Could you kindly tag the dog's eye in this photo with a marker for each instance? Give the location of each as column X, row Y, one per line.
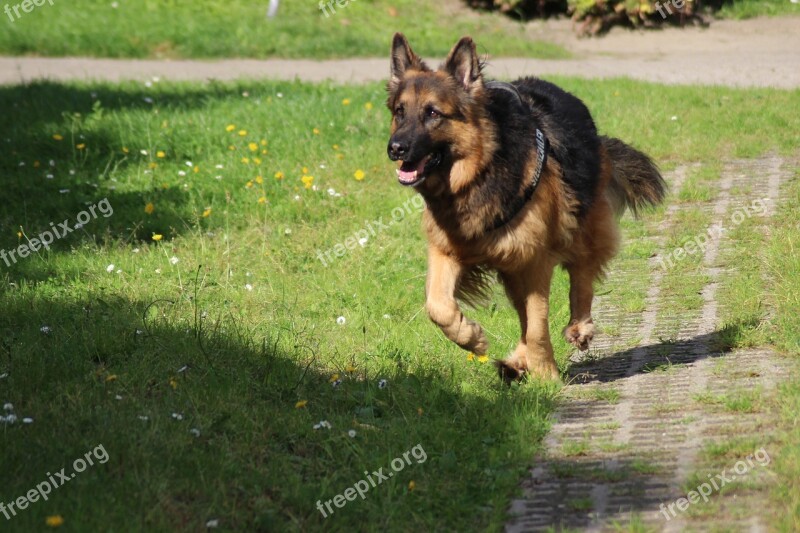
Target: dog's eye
column 432, row 113
column 400, row 111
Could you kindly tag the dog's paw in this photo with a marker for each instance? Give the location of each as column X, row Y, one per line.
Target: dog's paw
column 580, row 334
column 510, row 370
column 477, row 343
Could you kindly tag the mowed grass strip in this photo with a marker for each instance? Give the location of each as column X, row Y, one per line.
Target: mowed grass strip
column 197, row 335
column 239, row 28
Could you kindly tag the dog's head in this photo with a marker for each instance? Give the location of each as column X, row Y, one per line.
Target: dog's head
column 434, row 113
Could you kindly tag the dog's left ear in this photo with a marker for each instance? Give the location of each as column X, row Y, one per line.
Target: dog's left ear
column 462, row 63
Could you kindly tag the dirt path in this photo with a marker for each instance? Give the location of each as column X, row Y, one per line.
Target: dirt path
column 752, row 53
column 629, row 433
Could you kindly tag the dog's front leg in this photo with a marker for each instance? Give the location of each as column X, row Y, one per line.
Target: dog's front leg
column 444, row 272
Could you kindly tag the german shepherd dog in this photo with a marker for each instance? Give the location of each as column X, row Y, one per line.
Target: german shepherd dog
column 516, row 181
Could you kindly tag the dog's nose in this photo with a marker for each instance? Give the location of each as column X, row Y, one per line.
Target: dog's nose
column 397, row 150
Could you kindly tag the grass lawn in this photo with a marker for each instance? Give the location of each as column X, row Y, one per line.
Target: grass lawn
column 745, row 9
column 196, row 335
column 240, row 28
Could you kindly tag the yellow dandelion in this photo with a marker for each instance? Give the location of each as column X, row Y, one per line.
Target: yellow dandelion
column 207, row 212
column 196, row 169
column 173, row 383
column 245, row 160
column 230, row 127
column 335, row 146
column 483, row 358
column 339, row 156
column 411, row 485
column 125, row 150
column 419, row 411
column 257, row 160
column 54, row 521
column 58, row 137
column 368, row 106
column 305, row 170
column 300, row 404
column 253, row 147
column 333, row 378
column 259, row 180
column 242, row 133
column 316, row 131
column 263, row 142
column 307, row 181
column 149, row 208
column 231, row 147
column 161, row 154
column 151, row 165
column 470, row 357
column 350, row 369
column 80, row 146
column 279, row 175
column 359, row 175
column 346, row 101
column 19, row 234
column 111, row 377
column 157, row 236
column 249, row 184
column 264, row 152
column 262, row 200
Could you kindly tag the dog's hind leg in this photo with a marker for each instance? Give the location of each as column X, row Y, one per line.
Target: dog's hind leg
column 580, row 330
column 444, row 273
column 594, row 247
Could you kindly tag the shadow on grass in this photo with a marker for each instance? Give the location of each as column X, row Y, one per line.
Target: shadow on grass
column 657, row 356
column 199, row 417
column 47, row 181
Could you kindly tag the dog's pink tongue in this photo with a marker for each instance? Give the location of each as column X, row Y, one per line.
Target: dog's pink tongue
column 409, row 176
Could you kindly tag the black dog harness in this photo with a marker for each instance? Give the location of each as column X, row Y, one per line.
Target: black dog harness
column 542, row 148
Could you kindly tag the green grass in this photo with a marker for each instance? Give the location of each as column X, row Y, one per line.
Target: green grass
column 252, row 312
column 239, row 28
column 762, row 300
column 745, row 9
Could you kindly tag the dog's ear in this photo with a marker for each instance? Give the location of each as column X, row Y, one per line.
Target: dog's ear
column 462, row 63
column 403, row 58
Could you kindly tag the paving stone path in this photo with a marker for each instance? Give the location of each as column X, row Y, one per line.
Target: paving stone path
column 627, row 434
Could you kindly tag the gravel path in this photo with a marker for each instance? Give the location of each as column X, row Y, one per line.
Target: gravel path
column 628, row 433
column 752, row 53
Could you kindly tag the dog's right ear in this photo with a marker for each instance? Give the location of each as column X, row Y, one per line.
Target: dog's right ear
column 403, row 58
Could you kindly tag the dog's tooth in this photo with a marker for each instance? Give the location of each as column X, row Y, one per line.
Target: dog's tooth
column 397, row 170
column 415, row 174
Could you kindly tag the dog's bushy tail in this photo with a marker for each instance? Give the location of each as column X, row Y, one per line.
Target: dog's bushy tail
column 636, row 181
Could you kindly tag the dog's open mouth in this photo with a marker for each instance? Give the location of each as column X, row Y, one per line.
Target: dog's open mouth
column 413, row 173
